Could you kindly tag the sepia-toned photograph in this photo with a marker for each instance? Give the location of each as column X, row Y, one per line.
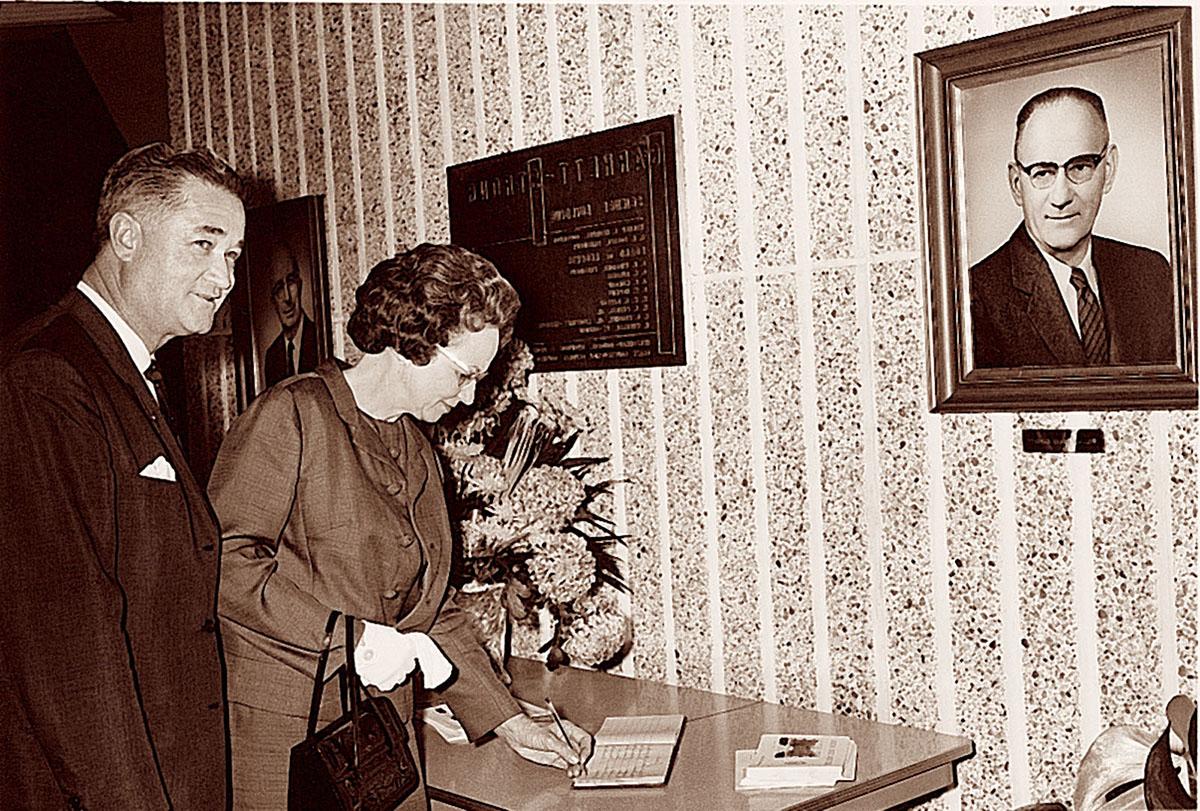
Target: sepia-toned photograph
column 735, row 406
column 281, row 317
column 1057, row 215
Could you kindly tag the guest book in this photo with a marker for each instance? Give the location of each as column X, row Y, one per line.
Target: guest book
column 632, row 750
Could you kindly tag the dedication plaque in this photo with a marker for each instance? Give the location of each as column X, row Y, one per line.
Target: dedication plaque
column 587, row 231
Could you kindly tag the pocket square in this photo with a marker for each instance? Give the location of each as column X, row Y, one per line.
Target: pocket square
column 160, row 468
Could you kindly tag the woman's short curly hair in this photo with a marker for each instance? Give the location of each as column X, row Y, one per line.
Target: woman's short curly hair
column 424, row 297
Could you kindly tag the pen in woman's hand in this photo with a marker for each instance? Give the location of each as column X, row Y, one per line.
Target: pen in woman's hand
column 562, row 729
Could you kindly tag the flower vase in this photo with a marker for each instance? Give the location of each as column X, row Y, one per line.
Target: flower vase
column 485, row 604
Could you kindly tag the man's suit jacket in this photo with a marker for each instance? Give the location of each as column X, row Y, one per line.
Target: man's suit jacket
column 111, row 683
column 276, row 357
column 1018, row 317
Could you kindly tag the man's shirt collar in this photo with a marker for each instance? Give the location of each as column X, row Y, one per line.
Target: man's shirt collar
column 1062, row 278
column 295, row 340
column 137, row 350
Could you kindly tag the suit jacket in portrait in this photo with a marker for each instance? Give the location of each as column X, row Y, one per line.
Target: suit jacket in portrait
column 111, row 684
column 322, row 509
column 1018, row 317
column 275, row 361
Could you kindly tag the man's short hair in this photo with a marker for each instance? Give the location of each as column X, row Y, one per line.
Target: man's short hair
column 1053, row 96
column 152, row 175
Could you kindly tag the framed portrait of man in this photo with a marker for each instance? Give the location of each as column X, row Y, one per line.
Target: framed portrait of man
column 1058, row 204
column 280, row 307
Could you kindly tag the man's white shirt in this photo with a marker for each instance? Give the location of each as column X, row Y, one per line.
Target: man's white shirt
column 1062, row 277
column 137, row 350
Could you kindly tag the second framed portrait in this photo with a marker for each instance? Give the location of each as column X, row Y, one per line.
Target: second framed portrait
column 1059, row 215
column 281, row 300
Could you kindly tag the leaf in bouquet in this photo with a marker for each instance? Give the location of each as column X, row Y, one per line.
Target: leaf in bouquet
column 526, row 437
column 600, row 488
column 495, row 444
column 463, row 506
column 514, row 601
column 605, row 538
column 555, row 452
column 583, row 461
column 616, row 581
column 608, row 565
column 606, row 525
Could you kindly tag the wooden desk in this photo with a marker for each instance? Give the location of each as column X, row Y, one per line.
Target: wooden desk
column 895, row 764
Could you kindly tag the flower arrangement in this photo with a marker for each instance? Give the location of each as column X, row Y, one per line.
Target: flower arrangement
column 526, row 515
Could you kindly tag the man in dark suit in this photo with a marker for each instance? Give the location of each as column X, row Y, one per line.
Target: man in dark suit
column 294, row 350
column 1054, row 294
column 111, row 678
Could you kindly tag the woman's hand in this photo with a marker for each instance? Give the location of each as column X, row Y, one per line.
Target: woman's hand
column 384, row 657
column 544, row 744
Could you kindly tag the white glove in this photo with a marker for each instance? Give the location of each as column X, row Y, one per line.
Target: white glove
column 385, row 657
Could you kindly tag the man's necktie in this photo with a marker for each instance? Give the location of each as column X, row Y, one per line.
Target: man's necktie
column 1091, row 320
column 154, row 375
column 291, row 358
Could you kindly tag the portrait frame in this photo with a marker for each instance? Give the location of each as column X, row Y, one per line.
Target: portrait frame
column 975, row 76
column 293, row 232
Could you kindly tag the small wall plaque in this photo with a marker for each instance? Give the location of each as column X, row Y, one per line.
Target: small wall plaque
column 1062, row 440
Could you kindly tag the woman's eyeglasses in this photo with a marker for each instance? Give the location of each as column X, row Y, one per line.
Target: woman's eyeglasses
column 466, row 375
column 1079, row 169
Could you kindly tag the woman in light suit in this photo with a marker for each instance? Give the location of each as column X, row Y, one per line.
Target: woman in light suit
column 330, row 498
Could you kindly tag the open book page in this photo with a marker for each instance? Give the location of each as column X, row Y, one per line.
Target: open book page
column 639, row 729
column 632, row 751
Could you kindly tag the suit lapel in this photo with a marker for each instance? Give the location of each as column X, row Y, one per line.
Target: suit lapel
column 1111, row 281
column 308, row 347
column 114, row 353
column 429, row 512
column 417, row 479
column 117, row 357
column 1044, row 308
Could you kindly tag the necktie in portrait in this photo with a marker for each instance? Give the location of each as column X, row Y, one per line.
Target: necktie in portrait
column 1092, row 331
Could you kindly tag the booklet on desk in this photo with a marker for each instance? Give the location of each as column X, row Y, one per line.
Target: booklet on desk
column 632, row 750
column 789, row 760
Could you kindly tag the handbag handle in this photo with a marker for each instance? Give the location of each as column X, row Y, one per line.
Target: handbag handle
column 353, row 688
column 314, row 706
column 357, row 691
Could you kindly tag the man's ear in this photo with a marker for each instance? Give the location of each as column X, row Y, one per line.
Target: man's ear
column 124, row 235
column 1110, row 167
column 1014, row 182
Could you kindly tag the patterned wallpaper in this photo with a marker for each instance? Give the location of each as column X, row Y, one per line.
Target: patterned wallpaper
column 804, row 530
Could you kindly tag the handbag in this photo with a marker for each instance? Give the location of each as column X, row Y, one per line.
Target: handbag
column 361, row 761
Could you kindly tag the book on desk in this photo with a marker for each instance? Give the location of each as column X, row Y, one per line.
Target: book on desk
column 632, row 750
column 788, row 760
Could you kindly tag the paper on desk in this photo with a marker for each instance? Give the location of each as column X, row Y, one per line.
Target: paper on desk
column 743, row 757
column 633, row 729
column 442, row 719
column 536, row 712
column 751, row 773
